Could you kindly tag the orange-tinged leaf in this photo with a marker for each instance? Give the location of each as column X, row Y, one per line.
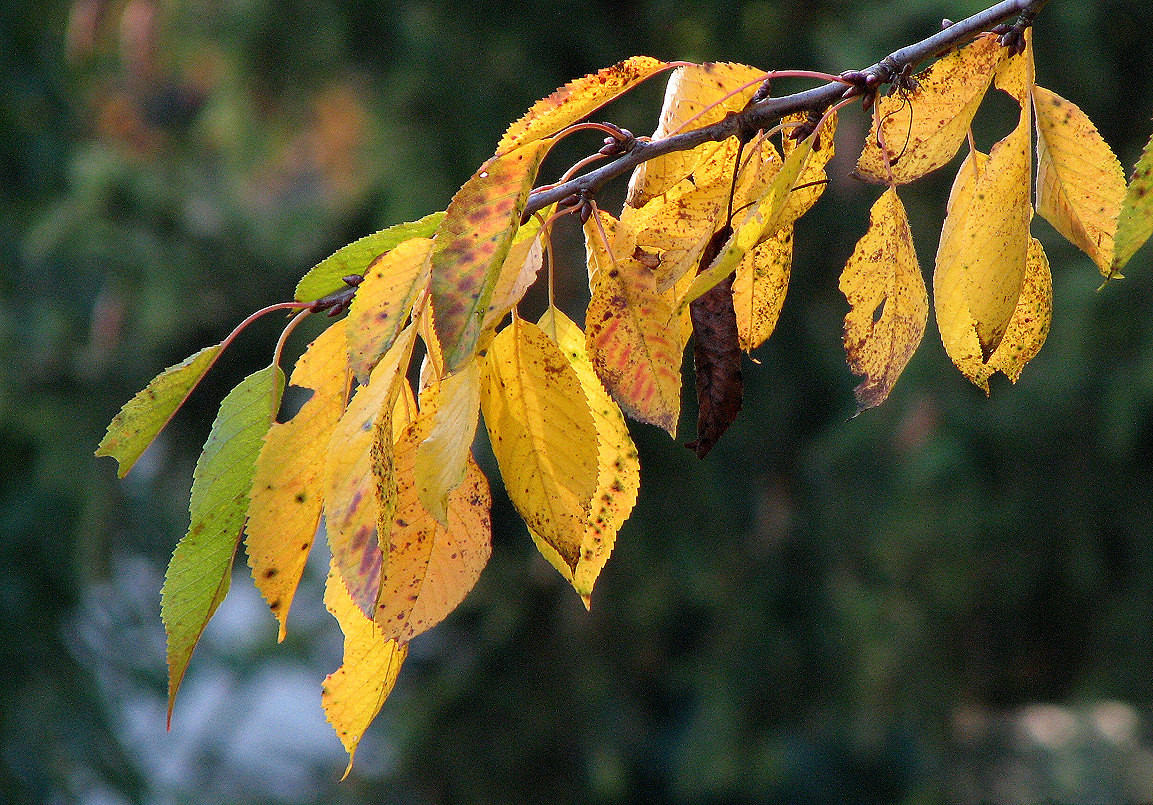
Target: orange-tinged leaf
column 352, row 495
column 146, row 414
column 472, row 243
column 444, row 452
column 431, row 566
column 1080, row 183
column 287, row 495
column 697, row 95
column 618, row 465
column 578, row 99
column 628, row 327
column 383, row 302
column 1030, row 323
column 883, row 272
column 922, row 129
column 354, row 693
column 542, row 434
column 759, row 288
column 201, row 568
column 1135, row 223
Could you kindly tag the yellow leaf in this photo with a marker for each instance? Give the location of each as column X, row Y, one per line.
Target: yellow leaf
column 1080, row 184
column 1030, row 323
column 521, row 266
column 883, row 272
column 697, row 95
column 443, row 454
column 922, row 129
column 1135, row 223
column 542, row 434
column 634, row 351
column 811, row 181
column 618, row 465
column 287, row 497
column 577, row 100
column 354, row 693
column 352, row 495
column 383, row 302
column 759, row 288
column 431, row 566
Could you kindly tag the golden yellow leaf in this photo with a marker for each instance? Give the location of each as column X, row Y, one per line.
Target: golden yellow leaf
column 921, row 130
column 383, row 302
column 883, row 273
column 542, row 434
column 618, row 465
column 1080, row 184
column 577, row 100
column 697, row 95
column 811, row 181
column 353, row 694
column 287, row 498
column 633, row 349
column 1030, row 323
column 352, row 495
column 759, row 287
column 431, row 566
column 521, row 266
column 443, row 454
column 1135, row 223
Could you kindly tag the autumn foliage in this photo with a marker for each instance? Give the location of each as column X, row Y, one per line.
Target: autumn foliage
column 700, row 252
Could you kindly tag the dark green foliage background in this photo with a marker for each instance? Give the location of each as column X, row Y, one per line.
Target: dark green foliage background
column 802, row 617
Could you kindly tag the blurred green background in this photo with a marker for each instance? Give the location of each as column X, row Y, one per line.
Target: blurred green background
column 947, row 599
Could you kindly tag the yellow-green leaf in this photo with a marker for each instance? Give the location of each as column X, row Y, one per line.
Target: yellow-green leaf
column 1080, row 183
column 199, row 573
column 146, row 414
column 1135, row 223
column 542, row 434
column 882, row 272
column 354, row 693
column 287, row 494
column 922, row 129
column 384, row 301
column 578, row 99
column 328, row 275
column 472, row 243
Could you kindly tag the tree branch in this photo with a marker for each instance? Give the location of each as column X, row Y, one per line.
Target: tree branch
column 766, row 112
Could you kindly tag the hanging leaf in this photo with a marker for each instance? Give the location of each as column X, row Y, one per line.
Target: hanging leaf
column 328, row 275
column 1135, row 222
column 1080, row 183
column 519, row 272
column 472, row 243
column 146, row 414
column 383, row 302
column 1029, row 326
column 618, row 465
column 810, row 182
column 883, row 273
column 542, row 434
column 352, row 495
column 199, row 573
column 577, row 100
column 354, row 693
column 922, row 129
column 443, row 454
column 287, row 494
column 759, row 287
column 634, row 352
column 431, row 566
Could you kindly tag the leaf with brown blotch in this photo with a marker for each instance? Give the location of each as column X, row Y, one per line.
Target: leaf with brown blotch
column 1080, row 183
column 922, row 129
column 452, row 406
column 352, row 496
column 577, row 100
column 431, row 566
column 471, row 245
column 759, row 287
column 629, row 337
column 1135, row 223
column 353, row 694
column 697, row 95
column 383, row 301
column 287, row 496
column 542, row 433
column 883, row 273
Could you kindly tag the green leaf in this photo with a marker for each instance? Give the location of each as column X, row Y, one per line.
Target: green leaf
column 328, row 275
column 198, row 575
column 146, row 414
column 1135, row 223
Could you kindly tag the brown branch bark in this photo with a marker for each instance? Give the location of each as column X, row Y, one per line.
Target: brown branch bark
column 765, row 113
